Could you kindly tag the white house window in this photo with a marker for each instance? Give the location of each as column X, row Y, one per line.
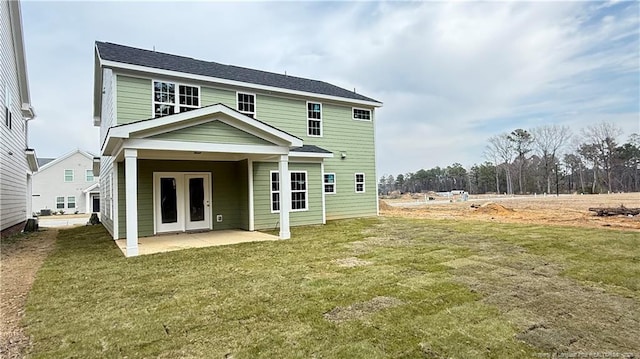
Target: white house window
column 329, row 183
column 71, row 202
column 247, row 104
column 361, row 114
column 7, row 104
column 68, row 175
column 314, row 119
column 164, row 98
column 298, row 191
column 189, row 97
column 60, row 202
column 89, row 176
column 359, row 182
column 275, row 192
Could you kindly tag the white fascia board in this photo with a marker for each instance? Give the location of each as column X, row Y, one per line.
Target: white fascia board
column 114, row 64
column 91, row 188
column 294, row 154
column 97, row 87
column 20, row 57
column 146, row 144
column 65, row 156
column 32, row 160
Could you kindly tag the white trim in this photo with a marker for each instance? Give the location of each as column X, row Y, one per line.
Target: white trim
column 114, row 199
column 314, row 119
column 255, row 104
column 131, row 200
column 251, row 204
column 75, row 207
column 91, row 188
column 285, row 197
column 65, row 156
column 271, row 192
column 355, row 182
column 335, row 182
column 145, row 144
column 182, row 199
column 362, row 109
column 306, row 192
column 114, row 64
column 310, row 154
column 324, row 205
column 93, row 178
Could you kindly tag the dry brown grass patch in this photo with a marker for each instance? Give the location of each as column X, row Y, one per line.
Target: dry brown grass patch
column 362, row 309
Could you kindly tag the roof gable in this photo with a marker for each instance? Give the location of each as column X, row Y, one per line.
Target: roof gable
column 64, row 157
column 158, row 60
column 215, row 131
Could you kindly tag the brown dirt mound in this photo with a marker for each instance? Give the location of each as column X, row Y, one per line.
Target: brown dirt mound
column 383, row 205
column 493, row 208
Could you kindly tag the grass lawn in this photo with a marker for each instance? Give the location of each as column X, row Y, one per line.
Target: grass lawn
column 366, row 288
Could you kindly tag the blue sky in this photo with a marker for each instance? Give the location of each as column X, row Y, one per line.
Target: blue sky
column 450, row 75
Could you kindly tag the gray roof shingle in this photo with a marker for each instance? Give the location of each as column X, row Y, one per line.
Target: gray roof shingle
column 310, row 148
column 44, row 161
column 134, row 56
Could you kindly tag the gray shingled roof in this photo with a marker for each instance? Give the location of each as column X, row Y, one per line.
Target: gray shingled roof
column 44, row 161
column 310, row 148
column 159, row 60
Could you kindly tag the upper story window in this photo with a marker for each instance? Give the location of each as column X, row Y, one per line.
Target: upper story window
column 314, row 119
column 89, row 176
column 361, row 114
column 359, row 182
column 68, row 175
column 164, row 98
column 247, row 103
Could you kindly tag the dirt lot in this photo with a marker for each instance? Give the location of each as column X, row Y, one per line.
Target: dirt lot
column 20, row 258
column 566, row 210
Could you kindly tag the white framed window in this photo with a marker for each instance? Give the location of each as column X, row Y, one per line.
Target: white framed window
column 359, row 179
column 164, row 98
column 330, row 183
column 71, row 202
column 298, row 191
column 246, row 103
column 89, row 176
column 275, row 192
column 68, row 175
column 59, row 202
column 314, row 119
column 361, row 114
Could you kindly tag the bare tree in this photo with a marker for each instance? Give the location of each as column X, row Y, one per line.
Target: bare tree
column 503, row 148
column 602, row 140
column 547, row 141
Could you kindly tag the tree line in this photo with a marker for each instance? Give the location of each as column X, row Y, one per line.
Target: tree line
column 544, row 159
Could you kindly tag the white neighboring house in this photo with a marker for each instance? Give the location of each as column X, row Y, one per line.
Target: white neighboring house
column 67, row 184
column 17, row 160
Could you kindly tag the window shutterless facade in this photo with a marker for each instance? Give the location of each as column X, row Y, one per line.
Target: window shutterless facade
column 71, row 202
column 359, row 179
column 298, row 191
column 246, row 103
column 89, row 176
column 314, row 119
column 68, row 175
column 275, row 192
column 329, row 183
column 165, row 101
column 361, row 114
column 60, row 202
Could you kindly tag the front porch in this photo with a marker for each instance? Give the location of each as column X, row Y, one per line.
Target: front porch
column 175, row 242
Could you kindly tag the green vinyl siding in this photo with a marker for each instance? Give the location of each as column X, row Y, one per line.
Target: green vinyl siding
column 212, row 132
column 229, row 189
column 263, row 217
column 133, row 99
column 212, row 96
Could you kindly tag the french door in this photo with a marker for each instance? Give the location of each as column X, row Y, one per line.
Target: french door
column 182, row 201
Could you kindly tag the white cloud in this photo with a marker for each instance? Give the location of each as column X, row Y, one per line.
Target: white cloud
column 450, row 74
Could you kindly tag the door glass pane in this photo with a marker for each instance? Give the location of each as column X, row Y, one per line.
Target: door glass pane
column 168, row 198
column 196, row 199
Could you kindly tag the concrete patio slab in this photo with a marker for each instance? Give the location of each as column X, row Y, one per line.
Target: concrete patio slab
column 178, row 241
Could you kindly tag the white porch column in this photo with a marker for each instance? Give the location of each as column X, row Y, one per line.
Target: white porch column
column 131, row 200
column 87, row 199
column 250, row 189
column 285, row 196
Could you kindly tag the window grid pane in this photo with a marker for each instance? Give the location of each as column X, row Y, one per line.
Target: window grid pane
column 329, row 183
column 59, row 202
column 359, row 179
column 314, row 128
column 68, row 175
column 71, row 202
column 298, row 191
column 275, row 191
column 164, row 98
column 361, row 114
column 246, row 103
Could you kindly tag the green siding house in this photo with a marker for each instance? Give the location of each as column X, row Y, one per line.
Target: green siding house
column 191, row 145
